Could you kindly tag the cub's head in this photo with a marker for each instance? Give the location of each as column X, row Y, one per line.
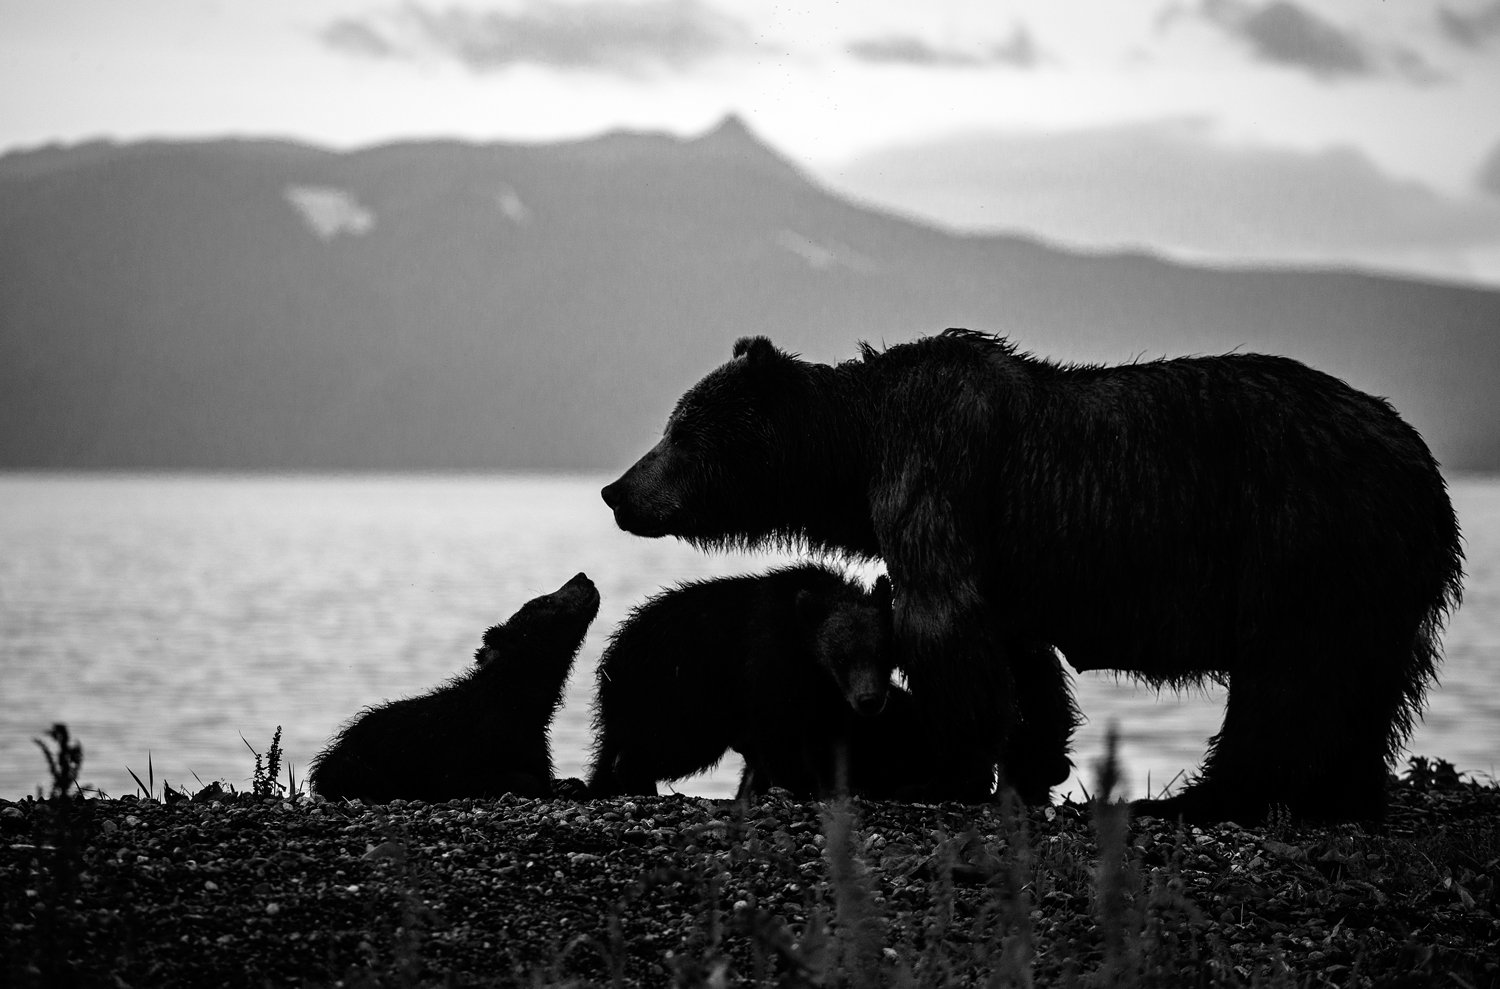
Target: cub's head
column 853, row 643
column 550, row 627
column 717, row 473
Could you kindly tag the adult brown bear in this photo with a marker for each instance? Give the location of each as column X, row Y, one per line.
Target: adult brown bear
column 1241, row 518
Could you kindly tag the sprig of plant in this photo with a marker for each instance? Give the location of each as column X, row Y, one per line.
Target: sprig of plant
column 65, row 819
column 1424, row 774
column 293, row 788
column 264, row 783
column 859, row 931
column 1115, row 882
column 148, row 788
column 65, row 765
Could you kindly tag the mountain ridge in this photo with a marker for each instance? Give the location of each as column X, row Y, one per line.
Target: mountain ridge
column 514, row 306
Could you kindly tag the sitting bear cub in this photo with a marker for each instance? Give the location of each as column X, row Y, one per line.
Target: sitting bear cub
column 481, row 734
column 791, row 669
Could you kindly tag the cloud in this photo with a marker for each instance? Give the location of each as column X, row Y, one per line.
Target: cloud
column 1018, row 51
column 1471, row 30
column 605, row 35
column 358, row 38
column 1283, row 33
column 1174, row 186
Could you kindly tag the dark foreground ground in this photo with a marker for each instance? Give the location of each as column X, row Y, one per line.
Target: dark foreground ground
column 264, row 891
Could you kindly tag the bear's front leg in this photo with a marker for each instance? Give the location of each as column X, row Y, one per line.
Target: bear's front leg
column 962, row 682
column 1035, row 757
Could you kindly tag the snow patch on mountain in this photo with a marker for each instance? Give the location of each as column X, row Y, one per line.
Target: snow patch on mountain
column 511, row 205
column 822, row 257
column 329, row 211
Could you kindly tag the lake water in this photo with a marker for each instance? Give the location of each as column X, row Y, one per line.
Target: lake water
column 169, row 616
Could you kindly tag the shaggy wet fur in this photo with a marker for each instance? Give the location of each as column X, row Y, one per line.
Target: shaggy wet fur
column 481, row 734
column 1242, row 518
column 791, row 669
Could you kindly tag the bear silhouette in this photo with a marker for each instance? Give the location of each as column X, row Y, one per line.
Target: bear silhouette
column 1241, row 518
column 481, row 734
column 791, row 669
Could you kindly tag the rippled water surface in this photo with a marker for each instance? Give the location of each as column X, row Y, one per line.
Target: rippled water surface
column 165, row 617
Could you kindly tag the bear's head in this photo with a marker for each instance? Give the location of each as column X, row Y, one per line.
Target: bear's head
column 852, row 641
column 720, row 470
column 547, row 628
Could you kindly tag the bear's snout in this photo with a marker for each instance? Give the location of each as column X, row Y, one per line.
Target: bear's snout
column 629, row 516
column 640, row 498
column 618, row 497
column 579, row 593
column 865, row 686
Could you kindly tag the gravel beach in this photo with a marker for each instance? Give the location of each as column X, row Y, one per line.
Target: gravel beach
column 237, row 890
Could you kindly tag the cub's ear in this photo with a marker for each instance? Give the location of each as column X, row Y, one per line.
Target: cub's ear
column 756, row 348
column 493, row 647
column 882, row 592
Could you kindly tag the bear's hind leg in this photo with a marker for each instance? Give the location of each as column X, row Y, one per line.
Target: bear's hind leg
column 614, row 775
column 1235, row 779
column 635, row 766
column 1373, row 713
column 642, row 739
column 1296, row 736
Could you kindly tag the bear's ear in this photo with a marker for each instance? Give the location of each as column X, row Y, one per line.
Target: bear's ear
column 882, row 592
column 486, row 652
column 755, row 348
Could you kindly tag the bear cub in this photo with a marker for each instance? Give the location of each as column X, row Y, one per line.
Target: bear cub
column 791, row 669
column 481, row 734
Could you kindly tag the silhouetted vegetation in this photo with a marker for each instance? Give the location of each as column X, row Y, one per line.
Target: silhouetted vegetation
column 271, row 886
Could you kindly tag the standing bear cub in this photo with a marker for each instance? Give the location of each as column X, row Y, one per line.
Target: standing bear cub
column 481, row 734
column 791, row 669
column 1241, row 518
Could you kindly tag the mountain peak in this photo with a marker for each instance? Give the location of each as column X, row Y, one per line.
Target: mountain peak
column 732, row 138
column 732, row 131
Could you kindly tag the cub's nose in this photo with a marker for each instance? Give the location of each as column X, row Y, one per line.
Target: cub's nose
column 611, row 495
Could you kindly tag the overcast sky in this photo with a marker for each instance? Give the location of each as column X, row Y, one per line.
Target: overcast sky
column 1324, row 131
